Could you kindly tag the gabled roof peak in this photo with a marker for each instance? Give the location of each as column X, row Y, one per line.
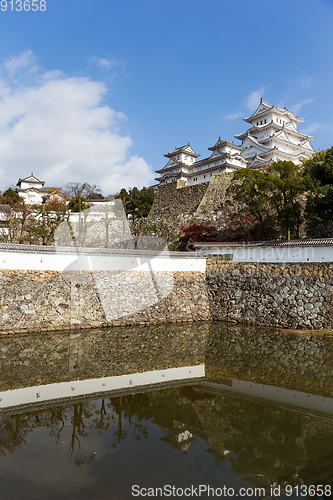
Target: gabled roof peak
column 223, row 142
column 32, row 179
column 182, row 149
column 265, row 107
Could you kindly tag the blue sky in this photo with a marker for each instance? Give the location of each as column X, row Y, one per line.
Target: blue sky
column 100, row 90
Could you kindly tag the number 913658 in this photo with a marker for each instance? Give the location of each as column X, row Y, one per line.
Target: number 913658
column 24, row 5
column 308, row 491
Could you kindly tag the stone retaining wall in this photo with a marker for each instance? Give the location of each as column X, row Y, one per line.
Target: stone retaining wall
column 170, row 200
column 284, row 295
column 33, row 301
column 174, row 205
column 215, row 194
column 288, row 295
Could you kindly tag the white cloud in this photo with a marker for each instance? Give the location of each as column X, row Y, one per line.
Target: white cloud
column 108, row 63
column 57, row 127
column 306, row 82
column 311, row 128
column 25, row 61
column 297, row 107
column 234, row 116
column 252, row 101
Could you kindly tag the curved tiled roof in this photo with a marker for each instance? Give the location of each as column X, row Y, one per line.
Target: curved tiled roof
column 259, row 244
column 183, row 149
column 222, row 142
column 269, row 108
column 11, row 247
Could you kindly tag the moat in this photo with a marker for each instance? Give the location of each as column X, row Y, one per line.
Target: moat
column 90, row 414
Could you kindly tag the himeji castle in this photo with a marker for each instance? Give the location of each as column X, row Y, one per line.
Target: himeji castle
column 272, row 136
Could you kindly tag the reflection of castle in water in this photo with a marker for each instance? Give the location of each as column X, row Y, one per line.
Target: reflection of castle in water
column 178, row 437
column 266, row 442
column 272, row 441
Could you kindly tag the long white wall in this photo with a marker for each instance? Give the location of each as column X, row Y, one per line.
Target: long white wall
column 272, row 254
column 71, row 261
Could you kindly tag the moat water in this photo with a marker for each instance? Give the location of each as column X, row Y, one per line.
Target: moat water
column 166, row 411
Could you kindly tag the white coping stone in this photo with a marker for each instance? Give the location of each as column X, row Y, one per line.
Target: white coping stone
column 72, row 262
column 63, row 390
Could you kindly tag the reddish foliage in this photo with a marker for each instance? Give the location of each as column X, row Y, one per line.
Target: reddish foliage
column 254, row 234
column 243, row 227
column 194, row 233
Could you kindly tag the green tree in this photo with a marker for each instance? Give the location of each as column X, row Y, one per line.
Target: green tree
column 137, row 203
column 46, row 218
column 78, row 204
column 79, row 193
column 10, row 197
column 272, row 197
column 285, row 187
column 319, row 184
column 249, row 188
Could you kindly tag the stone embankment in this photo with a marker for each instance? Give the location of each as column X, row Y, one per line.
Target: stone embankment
column 288, row 295
column 175, row 205
column 53, row 300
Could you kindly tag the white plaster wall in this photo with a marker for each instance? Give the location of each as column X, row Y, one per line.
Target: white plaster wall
column 31, row 198
column 275, row 254
column 73, row 262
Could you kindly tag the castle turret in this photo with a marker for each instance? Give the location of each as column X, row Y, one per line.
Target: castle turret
column 179, row 165
column 273, row 135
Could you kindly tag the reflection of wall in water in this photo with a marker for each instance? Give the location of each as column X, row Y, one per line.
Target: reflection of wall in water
column 48, row 358
column 271, row 357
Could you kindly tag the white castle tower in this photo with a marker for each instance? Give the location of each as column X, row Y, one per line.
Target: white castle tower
column 182, row 164
column 273, row 135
